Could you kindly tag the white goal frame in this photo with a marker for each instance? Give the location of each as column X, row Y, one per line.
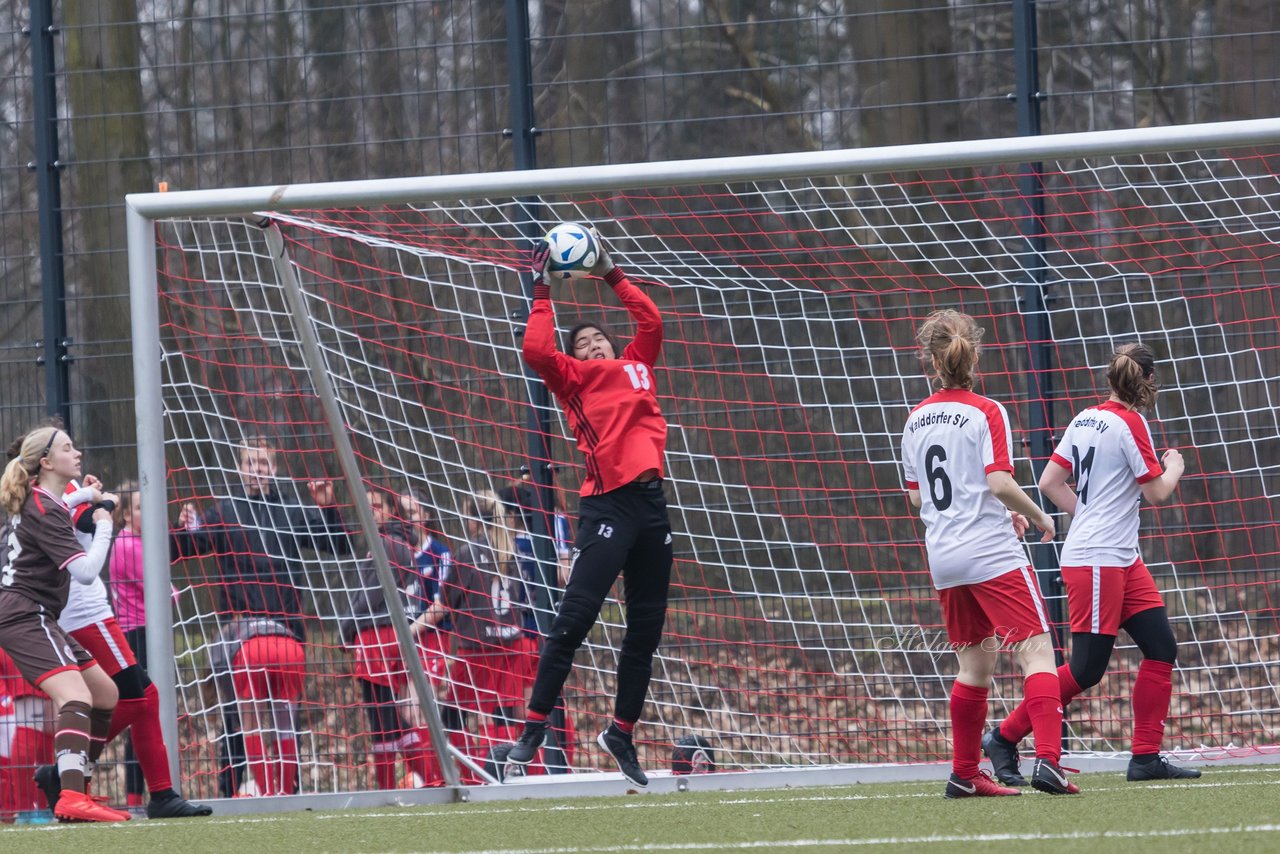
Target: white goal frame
column 143, row 209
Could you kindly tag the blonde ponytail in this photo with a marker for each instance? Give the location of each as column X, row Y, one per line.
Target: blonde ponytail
column 15, row 485
column 949, row 343
column 493, row 515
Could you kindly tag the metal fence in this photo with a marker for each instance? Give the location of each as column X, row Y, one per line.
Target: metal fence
column 135, row 93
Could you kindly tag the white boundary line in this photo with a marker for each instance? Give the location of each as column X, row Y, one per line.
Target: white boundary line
column 595, row 784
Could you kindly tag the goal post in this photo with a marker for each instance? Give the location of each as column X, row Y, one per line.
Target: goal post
column 804, row 637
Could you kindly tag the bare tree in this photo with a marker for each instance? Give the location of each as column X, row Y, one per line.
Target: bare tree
column 108, row 150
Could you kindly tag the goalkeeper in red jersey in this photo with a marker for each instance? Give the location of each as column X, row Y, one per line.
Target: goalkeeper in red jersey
column 1107, row 450
column 611, row 401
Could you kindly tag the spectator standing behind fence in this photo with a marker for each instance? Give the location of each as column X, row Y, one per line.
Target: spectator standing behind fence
column 379, row 667
column 259, row 666
column 433, row 558
column 482, row 595
column 257, row 538
column 26, row 742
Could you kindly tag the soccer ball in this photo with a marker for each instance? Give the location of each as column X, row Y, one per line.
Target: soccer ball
column 574, row 251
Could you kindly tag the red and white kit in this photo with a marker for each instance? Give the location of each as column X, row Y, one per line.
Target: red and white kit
column 951, row 442
column 1109, row 451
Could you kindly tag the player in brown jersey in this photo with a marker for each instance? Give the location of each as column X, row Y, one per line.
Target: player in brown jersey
column 611, row 402
column 39, row 557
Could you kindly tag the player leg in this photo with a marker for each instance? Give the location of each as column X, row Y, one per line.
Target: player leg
column 646, row 582
column 1147, row 622
column 384, row 731
column 970, row 635
column 74, row 697
column 605, row 536
column 1094, row 596
column 134, row 781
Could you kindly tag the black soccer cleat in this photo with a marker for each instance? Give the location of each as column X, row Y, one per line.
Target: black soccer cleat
column 526, row 747
column 176, row 807
column 619, row 745
column 1159, row 768
column 1004, row 758
column 1048, row 777
column 50, row 783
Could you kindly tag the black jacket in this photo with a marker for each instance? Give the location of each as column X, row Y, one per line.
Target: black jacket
column 368, row 604
column 257, row 541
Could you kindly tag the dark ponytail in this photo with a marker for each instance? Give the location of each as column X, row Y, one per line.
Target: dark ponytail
column 1132, row 375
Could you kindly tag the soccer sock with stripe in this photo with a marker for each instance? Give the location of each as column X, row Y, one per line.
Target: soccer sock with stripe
column 1017, row 726
column 968, row 714
column 71, row 744
column 1041, row 697
column 256, row 756
column 287, row 753
column 1152, row 690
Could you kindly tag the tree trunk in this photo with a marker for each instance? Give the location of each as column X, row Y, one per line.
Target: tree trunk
column 107, row 149
column 1247, row 44
column 906, row 73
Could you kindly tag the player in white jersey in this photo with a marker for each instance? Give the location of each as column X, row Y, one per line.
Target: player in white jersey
column 1108, row 450
column 958, row 470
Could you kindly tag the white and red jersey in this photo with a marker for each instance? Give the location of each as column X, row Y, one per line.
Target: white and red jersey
column 1108, row 449
column 86, row 603
column 952, row 441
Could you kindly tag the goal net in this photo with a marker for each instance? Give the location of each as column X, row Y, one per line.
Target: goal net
column 803, row 629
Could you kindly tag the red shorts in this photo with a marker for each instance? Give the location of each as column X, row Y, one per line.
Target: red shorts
column 480, row 680
column 105, row 642
column 1008, row 606
column 525, row 667
column 269, row 667
column 377, row 657
column 1103, row 598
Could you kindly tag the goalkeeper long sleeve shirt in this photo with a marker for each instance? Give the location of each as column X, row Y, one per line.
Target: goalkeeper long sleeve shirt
column 611, row 404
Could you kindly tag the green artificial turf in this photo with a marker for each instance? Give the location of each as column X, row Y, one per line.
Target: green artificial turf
column 1231, row 809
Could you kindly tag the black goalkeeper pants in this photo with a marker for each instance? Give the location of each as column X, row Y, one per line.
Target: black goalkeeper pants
column 625, row 531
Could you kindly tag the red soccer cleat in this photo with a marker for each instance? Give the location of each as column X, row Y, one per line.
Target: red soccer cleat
column 981, row 786
column 77, row 806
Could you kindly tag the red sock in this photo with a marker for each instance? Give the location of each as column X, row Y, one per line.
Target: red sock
column 1041, row 696
column 1152, row 691
column 287, row 748
column 31, row 747
column 968, row 714
column 535, row 717
column 148, row 741
column 384, row 764
column 126, row 713
column 624, row 726
column 1017, row 726
column 256, row 756
column 423, row 760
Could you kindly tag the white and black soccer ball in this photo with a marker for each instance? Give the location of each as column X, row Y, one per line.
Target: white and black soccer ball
column 574, row 251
